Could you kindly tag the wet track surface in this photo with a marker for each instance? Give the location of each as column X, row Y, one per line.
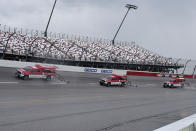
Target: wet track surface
column 83, row 105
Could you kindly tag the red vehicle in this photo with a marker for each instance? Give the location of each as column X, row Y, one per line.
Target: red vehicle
column 37, row 71
column 177, row 82
column 114, row 80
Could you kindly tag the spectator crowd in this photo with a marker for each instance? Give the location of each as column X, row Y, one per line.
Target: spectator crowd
column 80, row 50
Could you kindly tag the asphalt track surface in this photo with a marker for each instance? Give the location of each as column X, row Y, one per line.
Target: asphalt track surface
column 82, row 105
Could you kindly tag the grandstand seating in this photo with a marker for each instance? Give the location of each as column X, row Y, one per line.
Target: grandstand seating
column 81, row 50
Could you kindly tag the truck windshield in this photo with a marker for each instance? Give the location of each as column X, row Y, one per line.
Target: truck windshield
column 108, row 77
column 27, row 68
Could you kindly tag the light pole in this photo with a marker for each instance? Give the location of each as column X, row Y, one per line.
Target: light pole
column 4, row 28
column 194, row 72
column 185, row 65
column 176, row 64
column 45, row 33
column 128, row 6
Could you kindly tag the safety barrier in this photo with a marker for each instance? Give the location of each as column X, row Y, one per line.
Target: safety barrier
column 158, row 74
column 142, row 73
column 186, row 124
column 19, row 64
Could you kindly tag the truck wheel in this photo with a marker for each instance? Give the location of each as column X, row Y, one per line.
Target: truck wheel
column 25, row 77
column 48, row 78
column 123, row 84
column 164, row 86
column 108, row 84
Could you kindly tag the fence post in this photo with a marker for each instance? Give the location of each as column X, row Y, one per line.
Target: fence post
column 36, row 32
column 15, row 30
column 42, row 34
column 82, row 38
column 27, row 31
column 31, row 33
column 87, row 39
column 194, row 72
column 100, row 40
column 59, row 35
column 4, row 28
column 21, row 30
column 90, row 39
column 63, row 36
column 67, row 37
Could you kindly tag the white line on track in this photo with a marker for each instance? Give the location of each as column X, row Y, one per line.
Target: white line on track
column 60, row 83
column 8, row 82
column 92, row 83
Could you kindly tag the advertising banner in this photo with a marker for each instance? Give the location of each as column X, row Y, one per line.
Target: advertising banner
column 92, row 70
column 106, row 71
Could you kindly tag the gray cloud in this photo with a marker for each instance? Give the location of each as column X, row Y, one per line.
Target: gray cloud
column 165, row 27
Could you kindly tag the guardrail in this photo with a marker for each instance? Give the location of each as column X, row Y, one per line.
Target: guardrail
column 186, row 124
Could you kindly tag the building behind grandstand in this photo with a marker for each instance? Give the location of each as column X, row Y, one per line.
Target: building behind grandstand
column 59, row 48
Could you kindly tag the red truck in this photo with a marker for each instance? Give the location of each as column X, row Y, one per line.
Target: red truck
column 114, row 80
column 174, row 83
column 37, row 71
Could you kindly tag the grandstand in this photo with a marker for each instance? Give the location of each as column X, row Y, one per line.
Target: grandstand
column 32, row 46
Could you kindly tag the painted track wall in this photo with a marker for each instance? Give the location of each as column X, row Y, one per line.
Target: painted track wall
column 157, row 74
column 19, row 64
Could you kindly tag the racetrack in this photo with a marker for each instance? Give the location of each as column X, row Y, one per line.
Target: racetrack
column 83, row 105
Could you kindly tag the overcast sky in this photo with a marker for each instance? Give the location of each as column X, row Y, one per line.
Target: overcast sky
column 166, row 27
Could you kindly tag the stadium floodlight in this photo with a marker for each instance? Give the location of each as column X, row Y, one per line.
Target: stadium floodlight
column 45, row 33
column 128, row 6
column 131, row 6
column 185, row 65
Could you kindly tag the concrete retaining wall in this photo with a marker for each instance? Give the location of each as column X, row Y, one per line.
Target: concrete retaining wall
column 157, row 74
column 143, row 73
column 186, row 124
column 19, row 64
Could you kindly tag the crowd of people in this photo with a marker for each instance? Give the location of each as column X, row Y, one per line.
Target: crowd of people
column 59, row 48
